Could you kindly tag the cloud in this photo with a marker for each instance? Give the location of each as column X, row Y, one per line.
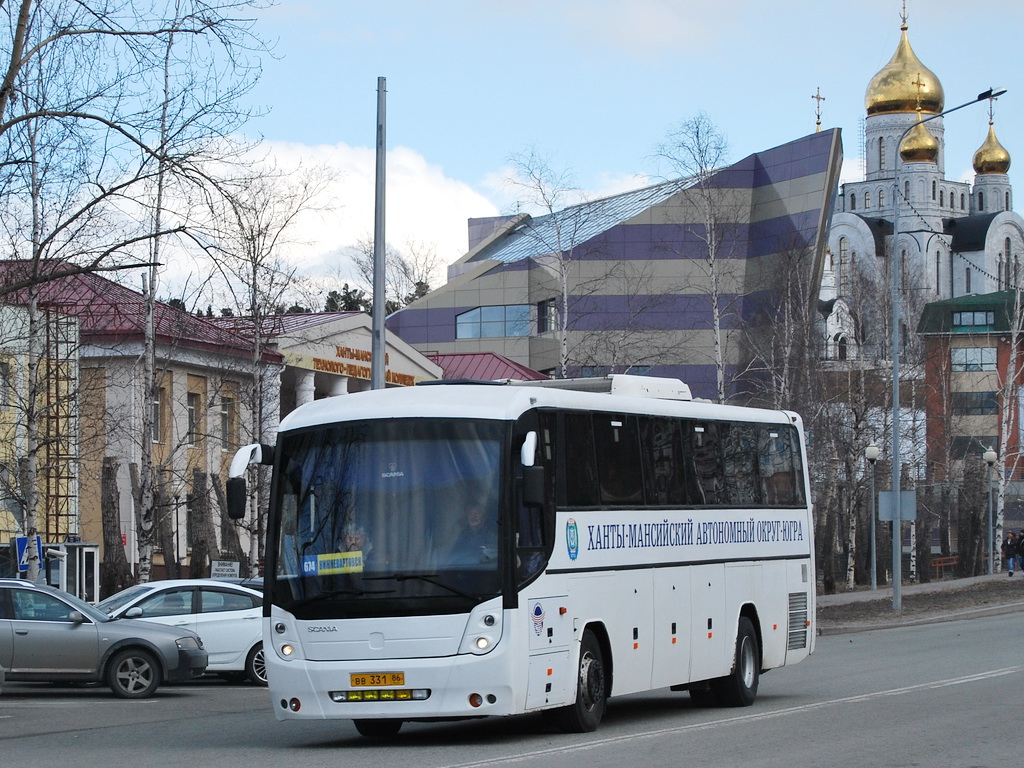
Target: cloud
column 422, row 205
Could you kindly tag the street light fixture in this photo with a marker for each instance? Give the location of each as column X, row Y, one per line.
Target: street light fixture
column 990, row 457
column 871, row 453
column 897, row 520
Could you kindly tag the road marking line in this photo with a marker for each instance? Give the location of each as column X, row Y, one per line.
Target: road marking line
column 745, row 718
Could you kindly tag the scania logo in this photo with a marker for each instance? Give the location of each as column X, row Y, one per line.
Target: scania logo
column 321, row 629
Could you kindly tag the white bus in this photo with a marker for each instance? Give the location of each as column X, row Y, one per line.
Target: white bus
column 472, row 549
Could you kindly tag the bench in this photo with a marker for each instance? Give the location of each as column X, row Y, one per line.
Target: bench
column 940, row 566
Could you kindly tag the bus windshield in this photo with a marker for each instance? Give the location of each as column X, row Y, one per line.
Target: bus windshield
column 379, row 516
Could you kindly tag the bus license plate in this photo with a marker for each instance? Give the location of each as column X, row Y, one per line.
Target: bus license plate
column 370, row 679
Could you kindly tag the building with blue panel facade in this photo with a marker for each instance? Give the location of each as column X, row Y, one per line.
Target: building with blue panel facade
column 640, row 281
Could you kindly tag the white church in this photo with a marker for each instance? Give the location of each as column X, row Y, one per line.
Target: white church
column 953, row 238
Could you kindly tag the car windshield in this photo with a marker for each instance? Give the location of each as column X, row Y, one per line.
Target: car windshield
column 80, row 605
column 389, row 510
column 115, row 602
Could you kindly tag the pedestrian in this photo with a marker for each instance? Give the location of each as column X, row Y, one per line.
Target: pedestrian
column 1020, row 549
column 1011, row 551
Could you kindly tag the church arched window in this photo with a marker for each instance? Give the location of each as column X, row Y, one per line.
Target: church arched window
column 853, row 202
column 935, row 187
column 967, row 280
column 881, row 198
column 867, row 200
column 844, row 266
column 942, row 197
column 881, row 153
column 981, row 201
column 841, row 347
column 938, row 272
column 906, row 189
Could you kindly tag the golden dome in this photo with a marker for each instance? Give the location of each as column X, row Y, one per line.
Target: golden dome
column 919, row 146
column 895, row 88
column 991, row 157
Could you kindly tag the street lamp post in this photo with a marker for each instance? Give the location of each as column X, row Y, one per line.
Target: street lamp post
column 897, row 527
column 871, row 453
column 990, row 457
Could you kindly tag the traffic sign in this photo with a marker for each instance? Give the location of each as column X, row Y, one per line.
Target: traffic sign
column 21, row 547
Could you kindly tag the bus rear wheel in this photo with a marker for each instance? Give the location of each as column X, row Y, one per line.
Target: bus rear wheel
column 378, row 729
column 591, row 690
column 739, row 687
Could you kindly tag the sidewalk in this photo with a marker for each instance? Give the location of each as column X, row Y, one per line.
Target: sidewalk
column 885, row 593
column 883, row 617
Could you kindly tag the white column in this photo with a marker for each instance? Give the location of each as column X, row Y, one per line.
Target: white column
column 304, row 387
column 338, row 386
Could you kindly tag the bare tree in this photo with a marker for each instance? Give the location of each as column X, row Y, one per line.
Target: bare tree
column 84, row 129
column 697, row 149
column 408, row 273
column 252, row 222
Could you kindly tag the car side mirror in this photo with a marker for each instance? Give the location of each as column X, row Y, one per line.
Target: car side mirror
column 133, row 613
column 77, row 617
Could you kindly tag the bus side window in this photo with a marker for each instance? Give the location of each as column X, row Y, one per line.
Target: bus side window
column 576, row 454
column 707, row 461
column 779, row 460
column 668, row 470
column 618, row 459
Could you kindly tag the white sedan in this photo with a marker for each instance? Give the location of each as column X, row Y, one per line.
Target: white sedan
column 228, row 617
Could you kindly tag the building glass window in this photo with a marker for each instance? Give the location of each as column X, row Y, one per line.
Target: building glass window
column 547, row 316
column 157, row 416
column 981, row 201
column 5, row 384
column 853, row 202
column 193, row 408
column 975, row 403
column 493, row 322
column 974, row 321
column 966, row 359
column 881, row 198
column 867, row 199
column 227, row 412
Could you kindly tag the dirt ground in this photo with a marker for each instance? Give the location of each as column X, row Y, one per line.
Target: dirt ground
column 1006, row 590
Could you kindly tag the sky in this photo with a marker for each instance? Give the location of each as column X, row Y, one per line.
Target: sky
column 595, row 86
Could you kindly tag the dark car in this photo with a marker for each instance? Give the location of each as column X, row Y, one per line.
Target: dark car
column 51, row 636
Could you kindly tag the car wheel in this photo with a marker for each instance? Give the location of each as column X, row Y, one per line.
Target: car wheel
column 256, row 665
column 133, row 674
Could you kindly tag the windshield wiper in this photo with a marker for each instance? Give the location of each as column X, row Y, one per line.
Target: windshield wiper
column 337, row 593
column 430, row 578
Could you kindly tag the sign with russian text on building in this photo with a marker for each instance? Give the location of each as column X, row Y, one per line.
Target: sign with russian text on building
column 224, row 569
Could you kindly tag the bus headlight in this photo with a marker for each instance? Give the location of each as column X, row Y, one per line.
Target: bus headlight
column 483, row 629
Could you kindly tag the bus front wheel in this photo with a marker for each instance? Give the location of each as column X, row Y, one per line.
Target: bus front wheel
column 591, row 690
column 739, row 687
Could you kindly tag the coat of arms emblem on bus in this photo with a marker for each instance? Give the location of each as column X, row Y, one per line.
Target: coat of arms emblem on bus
column 538, row 614
column 572, row 539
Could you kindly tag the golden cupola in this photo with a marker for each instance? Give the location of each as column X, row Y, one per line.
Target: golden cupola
column 919, row 145
column 900, row 83
column 991, row 156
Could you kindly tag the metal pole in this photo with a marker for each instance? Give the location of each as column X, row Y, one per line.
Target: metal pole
column 377, row 347
column 897, row 516
column 897, row 527
column 874, row 564
column 991, row 552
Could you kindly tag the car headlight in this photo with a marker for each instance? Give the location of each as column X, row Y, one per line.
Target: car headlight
column 189, row 643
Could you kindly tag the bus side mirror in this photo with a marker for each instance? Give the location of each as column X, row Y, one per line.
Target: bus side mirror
column 237, row 497
column 533, row 486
